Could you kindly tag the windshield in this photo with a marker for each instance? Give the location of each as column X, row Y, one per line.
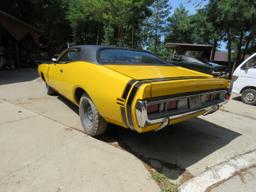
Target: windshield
column 191, row 60
column 203, row 60
column 125, row 56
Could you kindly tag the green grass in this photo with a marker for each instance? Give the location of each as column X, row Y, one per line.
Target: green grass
column 163, row 182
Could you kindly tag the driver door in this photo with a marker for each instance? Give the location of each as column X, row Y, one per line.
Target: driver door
column 63, row 70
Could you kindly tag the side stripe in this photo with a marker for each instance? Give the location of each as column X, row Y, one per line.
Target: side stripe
column 124, row 116
column 129, row 103
column 124, row 96
column 127, row 88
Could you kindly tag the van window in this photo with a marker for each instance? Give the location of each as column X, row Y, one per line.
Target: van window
column 251, row 63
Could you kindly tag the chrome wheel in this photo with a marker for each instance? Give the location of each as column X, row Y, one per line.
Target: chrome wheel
column 91, row 120
column 249, row 96
column 88, row 114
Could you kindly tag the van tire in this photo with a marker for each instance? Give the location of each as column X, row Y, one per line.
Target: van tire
column 92, row 122
column 249, row 96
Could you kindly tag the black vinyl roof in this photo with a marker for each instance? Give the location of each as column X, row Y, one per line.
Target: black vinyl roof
column 89, row 53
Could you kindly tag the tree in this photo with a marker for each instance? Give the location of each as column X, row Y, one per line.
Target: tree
column 179, row 27
column 48, row 16
column 236, row 19
column 155, row 25
column 117, row 21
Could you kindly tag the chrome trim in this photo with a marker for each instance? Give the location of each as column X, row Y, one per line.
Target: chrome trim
column 184, row 97
column 143, row 120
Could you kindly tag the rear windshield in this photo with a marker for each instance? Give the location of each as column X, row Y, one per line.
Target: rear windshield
column 124, row 56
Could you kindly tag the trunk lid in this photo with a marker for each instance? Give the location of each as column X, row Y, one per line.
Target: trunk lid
column 140, row 72
column 170, row 80
column 176, row 87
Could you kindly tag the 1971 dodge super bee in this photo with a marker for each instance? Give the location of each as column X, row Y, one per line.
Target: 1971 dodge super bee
column 130, row 88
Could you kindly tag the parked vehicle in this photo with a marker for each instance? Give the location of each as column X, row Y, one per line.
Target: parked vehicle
column 244, row 78
column 130, row 88
column 199, row 64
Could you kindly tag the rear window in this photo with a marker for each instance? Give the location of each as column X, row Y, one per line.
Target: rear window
column 124, row 56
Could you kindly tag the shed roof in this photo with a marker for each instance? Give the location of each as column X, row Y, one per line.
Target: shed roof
column 174, row 45
column 17, row 28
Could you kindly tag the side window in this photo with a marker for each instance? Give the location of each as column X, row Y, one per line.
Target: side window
column 70, row 55
column 250, row 64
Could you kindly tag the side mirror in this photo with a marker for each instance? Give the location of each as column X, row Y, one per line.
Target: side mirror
column 54, row 60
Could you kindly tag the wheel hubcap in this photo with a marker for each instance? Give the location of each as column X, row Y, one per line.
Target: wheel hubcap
column 250, row 97
column 90, row 113
column 87, row 114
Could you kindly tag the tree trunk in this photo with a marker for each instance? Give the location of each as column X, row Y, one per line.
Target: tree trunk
column 248, row 41
column 239, row 45
column 133, row 36
column 155, row 43
column 119, row 35
column 229, row 52
column 98, row 34
column 214, row 49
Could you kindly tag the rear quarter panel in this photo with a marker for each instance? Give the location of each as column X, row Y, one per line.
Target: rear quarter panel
column 103, row 86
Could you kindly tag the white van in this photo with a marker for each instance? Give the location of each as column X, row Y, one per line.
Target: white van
column 244, row 80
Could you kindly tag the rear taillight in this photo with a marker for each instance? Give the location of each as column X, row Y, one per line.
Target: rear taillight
column 153, row 108
column 228, row 96
column 209, row 98
column 171, row 105
column 185, row 103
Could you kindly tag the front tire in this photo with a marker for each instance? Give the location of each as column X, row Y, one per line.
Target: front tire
column 249, row 96
column 93, row 123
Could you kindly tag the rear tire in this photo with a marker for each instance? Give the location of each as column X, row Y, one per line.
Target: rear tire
column 92, row 122
column 49, row 90
column 249, row 96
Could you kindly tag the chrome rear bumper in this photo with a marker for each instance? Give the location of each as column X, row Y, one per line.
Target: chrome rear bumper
column 144, row 120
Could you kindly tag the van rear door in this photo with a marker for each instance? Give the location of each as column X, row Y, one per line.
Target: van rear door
column 246, row 74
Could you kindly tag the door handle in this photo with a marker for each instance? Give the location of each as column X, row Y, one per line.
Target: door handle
column 61, row 70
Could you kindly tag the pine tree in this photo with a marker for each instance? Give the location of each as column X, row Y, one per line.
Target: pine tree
column 155, row 25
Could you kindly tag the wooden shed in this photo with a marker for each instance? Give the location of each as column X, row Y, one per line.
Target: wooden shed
column 197, row 50
column 14, row 35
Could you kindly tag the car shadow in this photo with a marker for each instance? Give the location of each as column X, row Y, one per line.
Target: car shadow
column 17, row 75
column 237, row 98
column 71, row 105
column 172, row 149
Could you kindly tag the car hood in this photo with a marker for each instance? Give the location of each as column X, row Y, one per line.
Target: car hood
column 140, row 72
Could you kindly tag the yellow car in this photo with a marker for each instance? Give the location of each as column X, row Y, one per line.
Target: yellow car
column 130, row 88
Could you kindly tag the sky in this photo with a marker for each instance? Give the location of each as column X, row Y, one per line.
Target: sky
column 190, row 5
